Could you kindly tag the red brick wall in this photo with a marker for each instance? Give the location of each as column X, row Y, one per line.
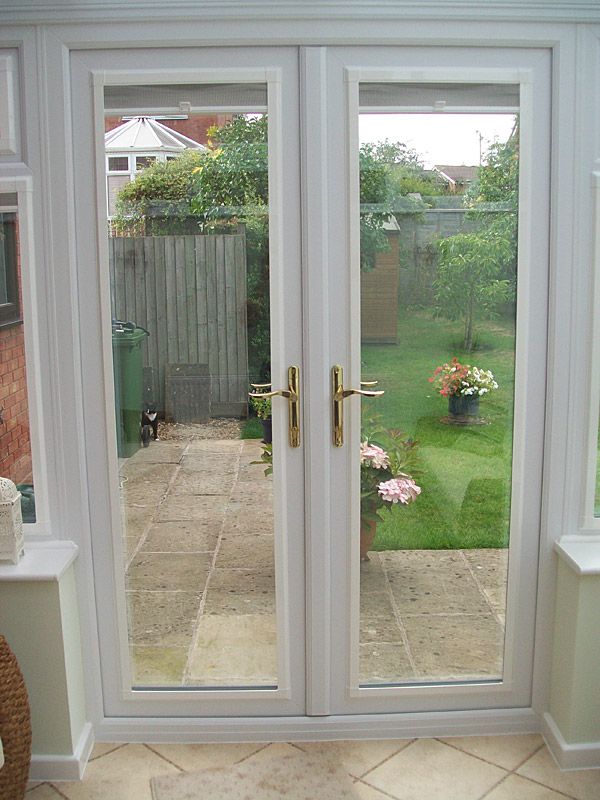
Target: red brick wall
column 15, row 444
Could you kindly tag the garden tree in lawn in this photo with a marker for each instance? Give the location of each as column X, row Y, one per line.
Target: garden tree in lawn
column 477, row 271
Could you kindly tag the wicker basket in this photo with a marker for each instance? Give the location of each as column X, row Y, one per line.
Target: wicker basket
column 15, row 726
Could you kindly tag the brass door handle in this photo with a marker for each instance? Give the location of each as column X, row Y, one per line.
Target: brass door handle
column 292, row 393
column 338, row 396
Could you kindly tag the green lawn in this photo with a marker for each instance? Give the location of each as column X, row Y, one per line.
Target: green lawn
column 464, row 472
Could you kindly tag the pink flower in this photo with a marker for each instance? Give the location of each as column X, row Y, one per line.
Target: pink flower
column 399, row 490
column 374, row 456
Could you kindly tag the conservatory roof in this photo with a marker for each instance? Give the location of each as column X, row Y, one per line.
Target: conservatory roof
column 144, row 134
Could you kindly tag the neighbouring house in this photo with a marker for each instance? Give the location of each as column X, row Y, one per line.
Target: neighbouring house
column 134, row 145
column 457, row 178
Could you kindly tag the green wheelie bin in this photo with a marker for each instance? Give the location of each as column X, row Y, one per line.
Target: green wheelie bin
column 127, row 338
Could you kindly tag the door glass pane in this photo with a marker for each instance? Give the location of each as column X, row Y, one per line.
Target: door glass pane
column 189, row 276
column 438, row 196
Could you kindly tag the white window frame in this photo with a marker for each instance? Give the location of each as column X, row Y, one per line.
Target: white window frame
column 22, row 186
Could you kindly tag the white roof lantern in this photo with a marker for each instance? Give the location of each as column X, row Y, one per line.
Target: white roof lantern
column 147, row 135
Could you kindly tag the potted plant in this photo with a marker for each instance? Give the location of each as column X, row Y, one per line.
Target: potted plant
column 383, row 482
column 463, row 385
column 262, row 409
column 384, row 457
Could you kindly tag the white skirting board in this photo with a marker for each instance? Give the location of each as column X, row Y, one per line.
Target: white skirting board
column 61, row 767
column 581, row 755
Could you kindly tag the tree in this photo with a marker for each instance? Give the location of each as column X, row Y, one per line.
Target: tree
column 469, row 283
column 477, row 271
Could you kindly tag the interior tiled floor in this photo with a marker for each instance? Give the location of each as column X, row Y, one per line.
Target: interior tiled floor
column 473, row 768
column 201, row 581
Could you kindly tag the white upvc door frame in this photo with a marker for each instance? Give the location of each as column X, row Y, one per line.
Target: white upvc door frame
column 329, row 291
column 90, row 72
column 531, row 70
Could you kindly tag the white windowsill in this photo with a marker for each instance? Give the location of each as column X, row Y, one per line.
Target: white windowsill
column 43, row 561
column 582, row 557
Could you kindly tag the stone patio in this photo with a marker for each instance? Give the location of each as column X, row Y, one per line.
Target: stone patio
column 198, row 537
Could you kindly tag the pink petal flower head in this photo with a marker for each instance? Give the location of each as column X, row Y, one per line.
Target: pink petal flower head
column 374, row 456
column 402, row 489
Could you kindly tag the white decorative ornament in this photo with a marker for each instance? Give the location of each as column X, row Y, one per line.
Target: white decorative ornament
column 12, row 542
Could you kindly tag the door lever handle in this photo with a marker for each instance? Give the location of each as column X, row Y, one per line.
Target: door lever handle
column 292, row 393
column 338, row 396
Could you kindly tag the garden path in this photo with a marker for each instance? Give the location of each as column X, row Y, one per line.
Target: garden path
column 198, row 541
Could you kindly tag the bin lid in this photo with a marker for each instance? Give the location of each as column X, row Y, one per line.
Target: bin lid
column 127, row 331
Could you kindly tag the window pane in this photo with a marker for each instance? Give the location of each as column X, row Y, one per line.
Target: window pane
column 141, row 162
column 15, row 444
column 118, row 163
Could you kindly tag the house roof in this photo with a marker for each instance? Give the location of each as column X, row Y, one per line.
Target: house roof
column 457, row 173
column 144, row 134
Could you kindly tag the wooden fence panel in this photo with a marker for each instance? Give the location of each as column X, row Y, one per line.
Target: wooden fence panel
column 189, row 293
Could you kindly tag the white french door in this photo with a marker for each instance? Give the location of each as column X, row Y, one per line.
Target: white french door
column 236, row 616
column 464, row 618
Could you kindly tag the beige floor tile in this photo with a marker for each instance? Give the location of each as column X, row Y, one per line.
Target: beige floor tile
column 122, row 775
column 42, row 791
column 193, row 757
column 365, row 792
column 516, row 788
column 504, row 751
column 103, row 748
column 357, row 758
column 431, row 770
column 581, row 784
column 274, row 750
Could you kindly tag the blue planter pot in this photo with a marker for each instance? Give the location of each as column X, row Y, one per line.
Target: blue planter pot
column 463, row 406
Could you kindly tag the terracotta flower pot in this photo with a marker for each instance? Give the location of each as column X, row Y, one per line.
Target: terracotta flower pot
column 368, row 531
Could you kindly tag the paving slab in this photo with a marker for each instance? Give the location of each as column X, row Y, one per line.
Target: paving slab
column 181, row 536
column 381, row 662
column 193, row 507
column 159, row 453
column 239, row 551
column 198, row 483
column 158, row 666
column 169, row 571
column 162, row 617
column 234, row 649
column 456, row 647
